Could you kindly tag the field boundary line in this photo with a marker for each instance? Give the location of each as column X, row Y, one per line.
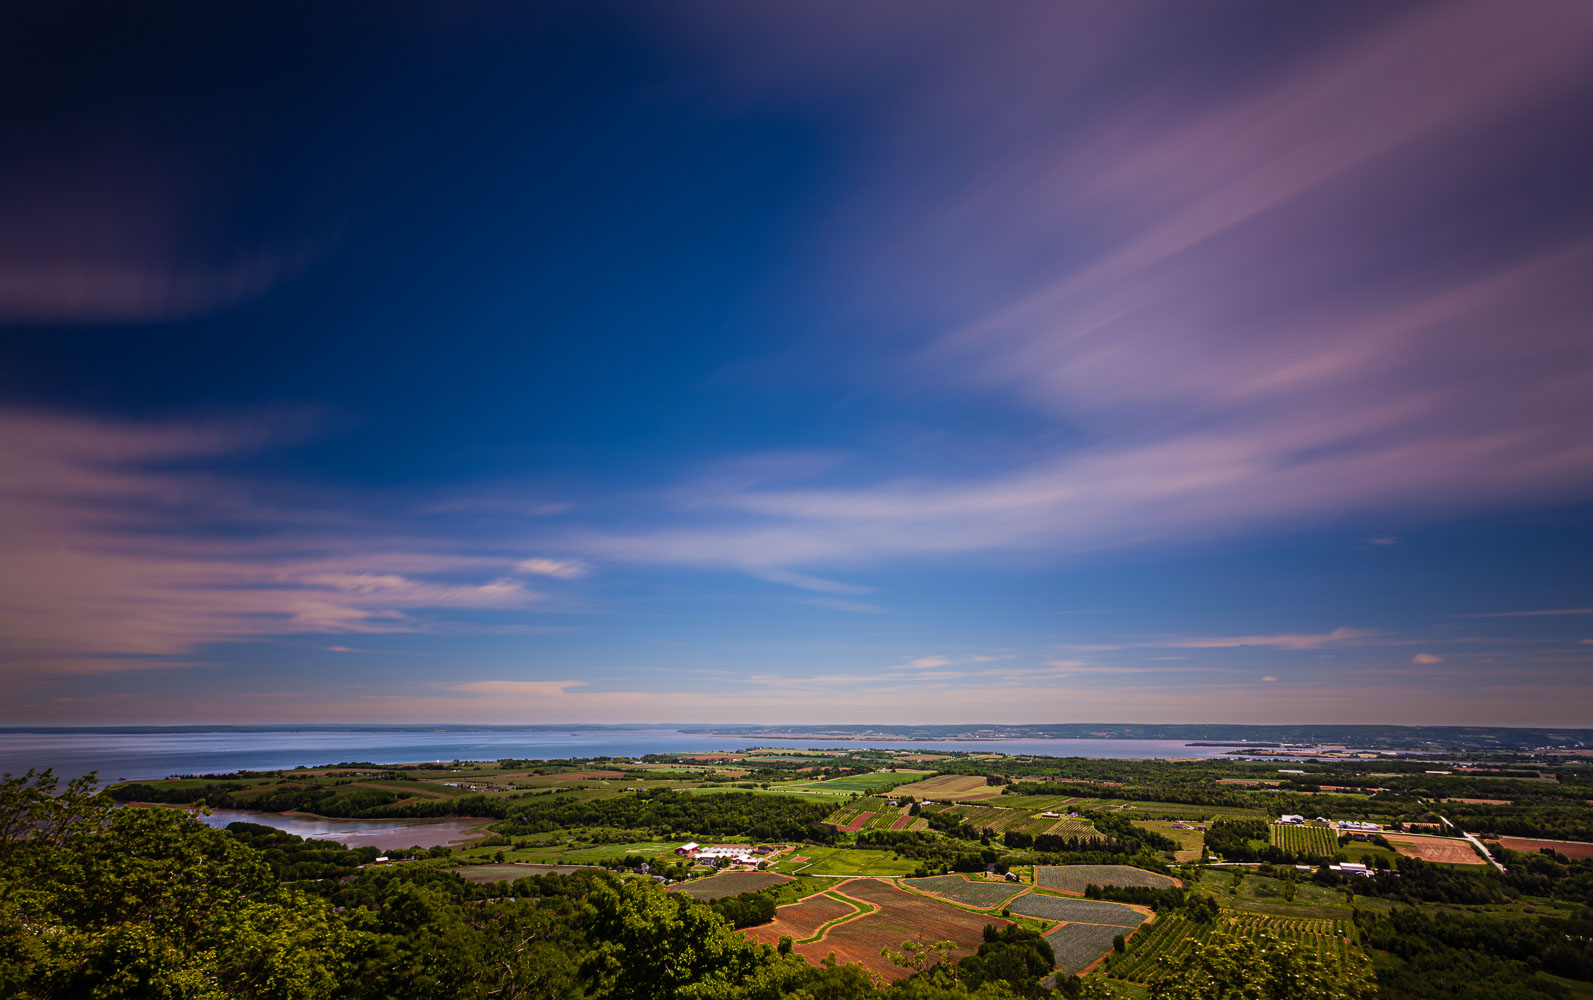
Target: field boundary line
column 986, row 911
column 859, row 912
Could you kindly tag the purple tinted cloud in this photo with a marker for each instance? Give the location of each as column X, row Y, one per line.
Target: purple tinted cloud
column 1340, row 286
column 114, row 561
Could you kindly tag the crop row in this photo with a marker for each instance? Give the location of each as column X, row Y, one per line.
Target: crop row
column 1318, row 841
column 1164, row 944
column 855, row 808
column 998, row 820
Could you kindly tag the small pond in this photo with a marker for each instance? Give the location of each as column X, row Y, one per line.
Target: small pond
column 384, row 834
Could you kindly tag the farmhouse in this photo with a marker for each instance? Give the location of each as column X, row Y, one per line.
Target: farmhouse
column 731, row 852
column 1289, row 818
column 1050, row 815
column 687, row 850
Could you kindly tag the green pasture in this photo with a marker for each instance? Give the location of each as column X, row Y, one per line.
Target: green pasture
column 1257, row 894
column 845, row 861
column 790, row 790
column 575, row 854
column 1190, row 842
column 1168, row 810
column 858, row 784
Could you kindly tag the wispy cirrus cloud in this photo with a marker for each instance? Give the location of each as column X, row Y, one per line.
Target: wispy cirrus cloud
column 1201, row 290
column 1545, row 613
column 563, row 569
column 1282, row 640
column 120, row 556
column 925, row 663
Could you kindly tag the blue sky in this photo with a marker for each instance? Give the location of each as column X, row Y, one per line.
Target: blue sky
column 705, row 362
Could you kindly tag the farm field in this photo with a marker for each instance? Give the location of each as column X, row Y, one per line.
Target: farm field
column 1072, row 827
column 794, row 793
column 1447, row 850
column 999, row 820
column 1257, row 894
column 950, row 786
column 1157, row 947
column 979, row 895
column 1190, row 842
column 510, row 872
column 574, row 854
column 1083, row 911
column 1573, row 849
column 901, row 916
column 842, row 861
column 728, row 884
column 1312, row 838
column 1078, row 946
column 854, row 784
column 804, row 919
column 1135, row 809
column 1074, row 878
column 874, row 814
column 1038, row 803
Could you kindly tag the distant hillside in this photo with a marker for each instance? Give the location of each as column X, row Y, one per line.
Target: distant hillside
column 1366, row 737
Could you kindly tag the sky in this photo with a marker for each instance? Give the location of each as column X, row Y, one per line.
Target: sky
column 796, row 363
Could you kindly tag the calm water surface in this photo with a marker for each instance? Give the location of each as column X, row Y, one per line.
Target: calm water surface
column 156, row 753
column 383, row 834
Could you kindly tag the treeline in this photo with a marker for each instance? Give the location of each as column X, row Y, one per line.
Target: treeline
column 1548, row 820
column 668, row 813
column 1554, row 876
column 293, row 858
column 1171, row 898
column 336, row 800
column 663, row 812
column 746, row 910
column 1421, row 955
column 936, row 855
column 1249, row 840
column 1413, row 880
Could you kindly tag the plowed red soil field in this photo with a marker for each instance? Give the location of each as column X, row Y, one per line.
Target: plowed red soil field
column 801, row 919
column 1446, row 849
column 858, row 822
column 902, row 916
column 1573, row 849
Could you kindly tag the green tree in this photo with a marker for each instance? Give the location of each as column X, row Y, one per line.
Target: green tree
column 107, row 902
column 649, row 944
column 1228, row 966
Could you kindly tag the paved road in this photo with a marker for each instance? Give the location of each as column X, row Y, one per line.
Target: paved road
column 1474, row 843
